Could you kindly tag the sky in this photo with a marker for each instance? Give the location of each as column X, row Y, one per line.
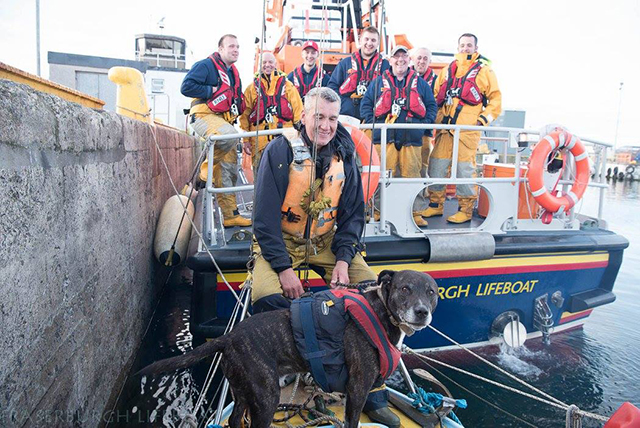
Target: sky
column 561, row 61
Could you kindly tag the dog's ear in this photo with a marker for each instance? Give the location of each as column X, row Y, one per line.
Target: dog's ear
column 386, row 276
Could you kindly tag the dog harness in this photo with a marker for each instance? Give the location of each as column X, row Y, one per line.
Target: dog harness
column 318, row 324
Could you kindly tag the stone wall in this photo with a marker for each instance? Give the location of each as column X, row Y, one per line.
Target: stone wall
column 81, row 191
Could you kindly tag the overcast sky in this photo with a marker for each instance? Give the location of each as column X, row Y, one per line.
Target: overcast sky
column 560, row 61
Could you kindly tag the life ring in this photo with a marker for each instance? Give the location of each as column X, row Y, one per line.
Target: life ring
column 558, row 140
column 630, row 169
column 365, row 150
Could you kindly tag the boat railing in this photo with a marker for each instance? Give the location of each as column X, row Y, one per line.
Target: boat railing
column 503, row 193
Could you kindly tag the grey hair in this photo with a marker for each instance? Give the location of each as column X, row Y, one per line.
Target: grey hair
column 415, row 51
column 324, row 93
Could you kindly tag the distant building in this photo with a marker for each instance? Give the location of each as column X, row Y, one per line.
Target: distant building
column 627, row 154
column 161, row 59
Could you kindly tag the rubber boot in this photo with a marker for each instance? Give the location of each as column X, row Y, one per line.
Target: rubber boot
column 420, row 222
column 465, row 210
column 237, row 220
column 384, row 416
column 436, row 204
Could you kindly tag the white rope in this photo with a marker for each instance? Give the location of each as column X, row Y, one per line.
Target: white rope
column 500, row 369
column 555, row 403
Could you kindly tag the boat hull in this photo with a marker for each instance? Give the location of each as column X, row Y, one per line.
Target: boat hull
column 576, row 270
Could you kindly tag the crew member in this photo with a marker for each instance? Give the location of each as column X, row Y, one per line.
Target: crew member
column 280, row 106
column 421, row 59
column 467, row 93
column 401, row 96
column 352, row 75
column 306, row 77
column 215, row 85
column 281, row 228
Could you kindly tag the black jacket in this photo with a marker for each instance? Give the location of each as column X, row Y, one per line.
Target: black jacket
column 271, row 187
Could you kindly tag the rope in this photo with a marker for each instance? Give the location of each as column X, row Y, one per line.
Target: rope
column 508, row 388
column 573, row 419
column 500, row 369
column 467, row 390
column 136, row 112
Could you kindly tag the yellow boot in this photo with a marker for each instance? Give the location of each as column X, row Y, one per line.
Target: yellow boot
column 465, row 211
column 433, row 211
column 237, row 220
column 420, row 222
column 436, row 204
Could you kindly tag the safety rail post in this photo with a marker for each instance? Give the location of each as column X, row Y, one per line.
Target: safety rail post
column 603, row 154
column 209, row 219
column 517, row 177
column 454, row 155
column 383, row 176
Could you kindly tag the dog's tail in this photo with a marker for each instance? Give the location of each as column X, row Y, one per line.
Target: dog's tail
column 187, row 360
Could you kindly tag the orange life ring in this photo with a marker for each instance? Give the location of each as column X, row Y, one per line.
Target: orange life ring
column 364, row 149
column 537, row 163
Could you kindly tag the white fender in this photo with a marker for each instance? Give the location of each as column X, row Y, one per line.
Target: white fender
column 167, row 228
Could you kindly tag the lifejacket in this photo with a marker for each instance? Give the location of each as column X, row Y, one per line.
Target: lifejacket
column 226, row 98
column 464, row 88
column 273, row 107
column 430, row 77
column 394, row 99
column 298, row 80
column 294, row 216
column 318, row 323
column 360, row 76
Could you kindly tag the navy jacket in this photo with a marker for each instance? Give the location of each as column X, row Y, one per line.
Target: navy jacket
column 338, row 77
column 200, row 80
column 271, row 187
column 409, row 137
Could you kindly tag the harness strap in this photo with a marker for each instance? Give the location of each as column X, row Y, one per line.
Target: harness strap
column 314, row 354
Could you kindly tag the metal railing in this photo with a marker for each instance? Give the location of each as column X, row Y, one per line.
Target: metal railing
column 507, row 197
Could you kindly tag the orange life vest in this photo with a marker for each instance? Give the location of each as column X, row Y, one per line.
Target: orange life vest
column 294, row 217
column 226, row 98
column 273, row 107
column 394, row 99
column 360, row 76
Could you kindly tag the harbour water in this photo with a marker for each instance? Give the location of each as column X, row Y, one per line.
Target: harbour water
column 596, row 368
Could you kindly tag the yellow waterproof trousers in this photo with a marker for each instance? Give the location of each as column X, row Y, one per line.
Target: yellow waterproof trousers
column 266, row 281
column 225, row 158
column 440, row 161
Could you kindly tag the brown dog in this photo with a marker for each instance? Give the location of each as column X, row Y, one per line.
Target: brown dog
column 261, row 349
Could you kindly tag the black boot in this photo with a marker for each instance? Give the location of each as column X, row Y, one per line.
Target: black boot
column 384, row 416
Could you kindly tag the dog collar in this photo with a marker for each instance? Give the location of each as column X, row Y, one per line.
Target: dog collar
column 403, row 326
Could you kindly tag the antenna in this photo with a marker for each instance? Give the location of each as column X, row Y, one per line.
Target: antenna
column 161, row 24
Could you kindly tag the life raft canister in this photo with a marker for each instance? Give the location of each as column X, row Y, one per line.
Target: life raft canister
column 368, row 158
column 273, row 107
column 465, row 88
column 394, row 99
column 226, row 98
column 558, row 140
column 298, row 80
column 359, row 77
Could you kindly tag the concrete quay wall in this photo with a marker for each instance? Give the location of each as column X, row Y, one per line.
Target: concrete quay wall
column 80, row 194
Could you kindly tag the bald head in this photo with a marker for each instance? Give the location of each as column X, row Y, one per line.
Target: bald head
column 421, row 58
column 268, row 62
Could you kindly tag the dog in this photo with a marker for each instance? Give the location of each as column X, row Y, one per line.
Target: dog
column 261, row 349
